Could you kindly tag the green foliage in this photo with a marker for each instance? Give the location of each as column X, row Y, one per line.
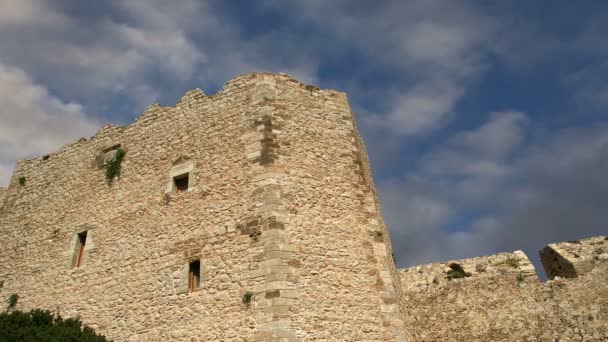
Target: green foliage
column 520, row 278
column 43, row 326
column 247, row 297
column 113, row 167
column 12, row 300
column 55, row 233
column 512, row 262
column 22, row 181
column 456, row 271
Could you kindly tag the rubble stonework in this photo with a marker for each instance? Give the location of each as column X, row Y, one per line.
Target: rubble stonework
column 280, row 205
column 500, row 298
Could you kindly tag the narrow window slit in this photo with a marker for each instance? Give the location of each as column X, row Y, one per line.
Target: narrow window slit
column 181, row 183
column 194, row 275
column 79, row 252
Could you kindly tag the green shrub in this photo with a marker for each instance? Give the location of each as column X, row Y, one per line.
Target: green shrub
column 513, row 262
column 12, row 300
column 113, row 167
column 456, row 271
column 247, row 297
column 22, row 181
column 43, row 326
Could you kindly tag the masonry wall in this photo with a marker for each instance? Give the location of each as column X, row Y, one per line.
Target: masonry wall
column 3, row 192
column 281, row 203
column 501, row 299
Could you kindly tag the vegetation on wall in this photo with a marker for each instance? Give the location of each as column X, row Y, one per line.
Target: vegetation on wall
column 512, row 262
column 22, row 181
column 247, row 298
column 43, row 326
column 456, row 271
column 12, row 300
column 113, row 167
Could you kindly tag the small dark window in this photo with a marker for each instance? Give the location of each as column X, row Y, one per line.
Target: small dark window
column 181, row 183
column 79, row 252
column 194, row 275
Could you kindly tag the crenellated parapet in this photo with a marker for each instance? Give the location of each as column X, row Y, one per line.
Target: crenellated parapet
column 500, row 298
column 572, row 259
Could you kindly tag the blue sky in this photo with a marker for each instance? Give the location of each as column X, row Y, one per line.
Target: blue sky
column 486, row 122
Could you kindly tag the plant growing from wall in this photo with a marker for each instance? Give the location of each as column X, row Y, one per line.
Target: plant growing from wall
column 55, row 233
column 12, row 300
column 247, row 297
column 512, row 262
column 520, row 278
column 456, row 271
column 113, row 167
column 22, row 181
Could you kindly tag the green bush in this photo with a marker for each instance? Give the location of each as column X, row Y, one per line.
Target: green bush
column 12, row 300
column 43, row 326
column 247, row 297
column 113, row 167
column 22, row 181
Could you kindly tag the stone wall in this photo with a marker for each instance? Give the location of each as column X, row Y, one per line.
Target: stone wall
column 280, row 203
column 499, row 298
column 573, row 258
column 3, row 192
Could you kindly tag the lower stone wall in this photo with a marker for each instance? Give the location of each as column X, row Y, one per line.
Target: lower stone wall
column 499, row 298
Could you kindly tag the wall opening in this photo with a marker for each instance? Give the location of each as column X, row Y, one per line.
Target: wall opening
column 78, row 259
column 109, row 154
column 181, row 183
column 194, row 275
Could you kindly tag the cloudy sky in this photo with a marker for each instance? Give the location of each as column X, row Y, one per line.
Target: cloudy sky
column 486, row 122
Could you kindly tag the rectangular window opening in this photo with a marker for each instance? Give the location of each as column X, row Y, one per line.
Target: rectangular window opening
column 109, row 154
column 194, row 275
column 79, row 256
column 181, row 183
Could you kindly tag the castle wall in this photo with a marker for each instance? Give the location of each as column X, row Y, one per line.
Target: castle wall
column 499, row 298
column 3, row 192
column 280, row 204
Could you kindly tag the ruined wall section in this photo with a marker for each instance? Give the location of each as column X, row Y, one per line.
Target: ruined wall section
column 499, row 298
column 573, row 258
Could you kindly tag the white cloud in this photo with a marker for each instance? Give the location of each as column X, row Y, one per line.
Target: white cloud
column 28, row 12
column 465, row 172
column 439, row 47
column 33, row 121
column 482, row 152
column 551, row 189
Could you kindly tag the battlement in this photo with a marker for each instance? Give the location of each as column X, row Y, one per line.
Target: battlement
column 499, row 297
column 572, row 259
column 514, row 265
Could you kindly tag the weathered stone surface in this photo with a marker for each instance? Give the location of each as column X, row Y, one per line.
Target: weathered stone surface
column 280, row 202
column 501, row 299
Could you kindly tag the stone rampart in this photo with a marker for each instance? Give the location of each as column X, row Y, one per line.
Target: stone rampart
column 500, row 298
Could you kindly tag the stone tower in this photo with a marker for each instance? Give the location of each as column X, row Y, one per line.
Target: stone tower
column 248, row 215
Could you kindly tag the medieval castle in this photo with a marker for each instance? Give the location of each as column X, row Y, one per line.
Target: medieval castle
column 251, row 215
